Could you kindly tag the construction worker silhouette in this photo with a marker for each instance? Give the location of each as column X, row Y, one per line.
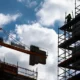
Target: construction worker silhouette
column 68, row 18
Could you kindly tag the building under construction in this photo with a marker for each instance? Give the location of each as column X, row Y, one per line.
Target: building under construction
column 69, row 48
column 15, row 72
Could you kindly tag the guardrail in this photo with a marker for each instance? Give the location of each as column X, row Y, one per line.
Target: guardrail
column 18, row 70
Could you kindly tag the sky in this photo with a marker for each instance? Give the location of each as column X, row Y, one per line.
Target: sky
column 33, row 22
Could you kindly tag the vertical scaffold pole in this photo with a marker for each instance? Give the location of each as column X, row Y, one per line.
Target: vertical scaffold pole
column 75, row 7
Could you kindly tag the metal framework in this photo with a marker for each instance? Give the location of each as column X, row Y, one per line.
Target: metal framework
column 21, row 50
column 67, row 41
column 15, row 72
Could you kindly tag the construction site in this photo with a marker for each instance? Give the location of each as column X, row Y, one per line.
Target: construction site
column 69, row 43
column 68, row 60
column 15, row 72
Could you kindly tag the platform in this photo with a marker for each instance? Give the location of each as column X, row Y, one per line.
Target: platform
column 72, row 22
column 76, row 77
column 67, row 62
column 13, row 72
column 8, row 76
column 70, row 41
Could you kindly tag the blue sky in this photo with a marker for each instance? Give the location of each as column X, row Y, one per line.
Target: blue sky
column 34, row 22
column 14, row 7
column 28, row 13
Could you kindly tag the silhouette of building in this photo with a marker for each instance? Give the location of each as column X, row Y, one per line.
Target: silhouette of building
column 69, row 49
column 15, row 72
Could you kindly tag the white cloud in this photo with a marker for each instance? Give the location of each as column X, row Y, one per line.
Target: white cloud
column 54, row 10
column 37, row 35
column 31, row 4
column 5, row 19
column 13, row 56
column 46, row 39
column 28, row 3
column 20, row 0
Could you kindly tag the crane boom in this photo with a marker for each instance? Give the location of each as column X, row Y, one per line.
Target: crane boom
column 21, row 50
column 36, row 55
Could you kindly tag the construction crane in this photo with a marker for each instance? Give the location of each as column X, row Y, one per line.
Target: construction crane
column 36, row 55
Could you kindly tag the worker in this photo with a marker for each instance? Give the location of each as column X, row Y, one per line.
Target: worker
column 68, row 18
column 0, row 28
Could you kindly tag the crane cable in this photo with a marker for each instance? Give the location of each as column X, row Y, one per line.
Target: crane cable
column 18, row 42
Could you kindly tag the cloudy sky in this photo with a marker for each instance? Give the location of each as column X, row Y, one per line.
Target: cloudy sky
column 33, row 22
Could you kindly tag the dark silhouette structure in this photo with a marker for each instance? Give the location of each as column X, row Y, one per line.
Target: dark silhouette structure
column 36, row 59
column 15, row 72
column 69, row 49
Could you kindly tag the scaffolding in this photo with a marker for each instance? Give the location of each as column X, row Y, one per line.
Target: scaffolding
column 68, row 48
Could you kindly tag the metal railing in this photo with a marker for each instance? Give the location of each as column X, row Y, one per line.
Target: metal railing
column 20, row 70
